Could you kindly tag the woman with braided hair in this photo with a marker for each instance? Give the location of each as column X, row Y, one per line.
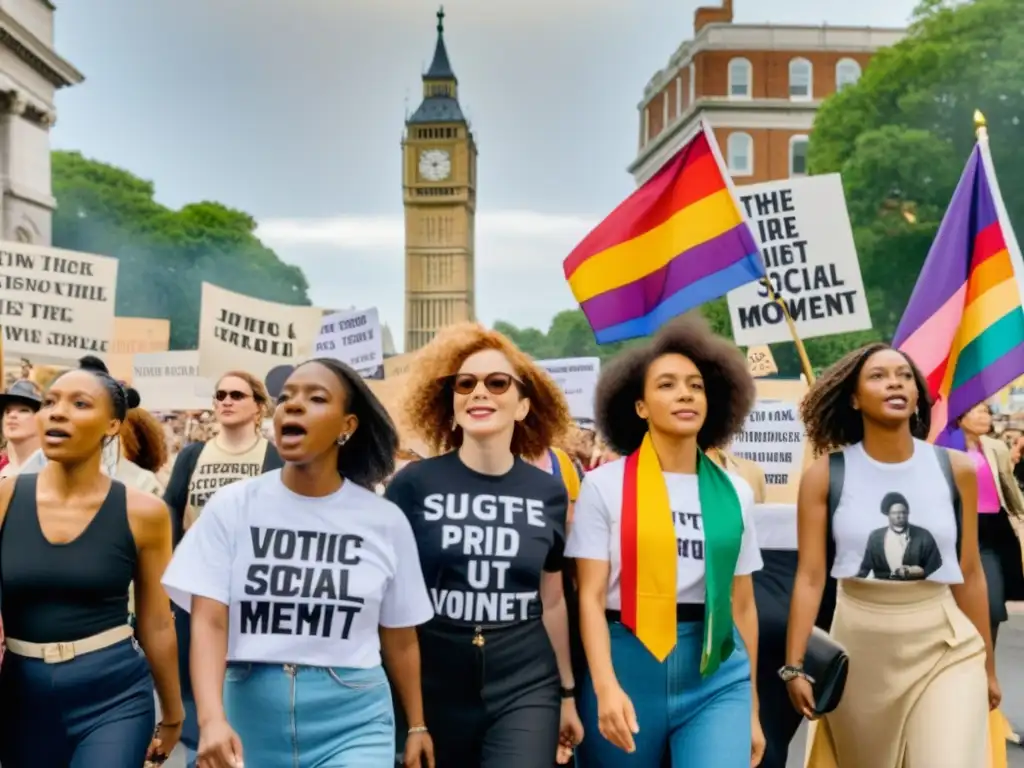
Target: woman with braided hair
column 76, row 689
column 901, row 532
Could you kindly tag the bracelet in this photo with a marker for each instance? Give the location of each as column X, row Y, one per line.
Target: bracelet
column 418, row 729
column 175, row 724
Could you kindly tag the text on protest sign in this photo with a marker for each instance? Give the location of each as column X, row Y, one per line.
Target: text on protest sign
column 170, row 381
column 238, row 332
column 56, row 305
column 811, row 260
column 354, row 338
column 292, row 569
column 761, row 362
column 577, row 376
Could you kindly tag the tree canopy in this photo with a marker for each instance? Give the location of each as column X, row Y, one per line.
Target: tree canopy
column 900, row 138
column 164, row 255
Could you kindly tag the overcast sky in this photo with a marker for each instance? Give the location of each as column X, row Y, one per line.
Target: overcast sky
column 292, row 110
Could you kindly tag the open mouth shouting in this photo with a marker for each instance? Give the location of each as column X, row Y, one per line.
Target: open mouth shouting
column 292, row 434
column 56, row 436
column 897, row 402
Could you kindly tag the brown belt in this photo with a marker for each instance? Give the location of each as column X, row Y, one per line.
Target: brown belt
column 56, row 653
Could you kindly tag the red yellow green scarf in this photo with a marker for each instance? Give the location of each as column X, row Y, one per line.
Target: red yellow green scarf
column 647, row 583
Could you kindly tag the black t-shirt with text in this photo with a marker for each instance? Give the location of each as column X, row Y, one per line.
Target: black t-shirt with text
column 483, row 539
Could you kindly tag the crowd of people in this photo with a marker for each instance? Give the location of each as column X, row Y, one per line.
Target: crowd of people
column 297, row 589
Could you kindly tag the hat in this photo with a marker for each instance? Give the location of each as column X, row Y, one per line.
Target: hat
column 22, row 392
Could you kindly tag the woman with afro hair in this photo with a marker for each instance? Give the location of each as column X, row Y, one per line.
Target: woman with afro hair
column 895, row 521
column 665, row 547
column 497, row 676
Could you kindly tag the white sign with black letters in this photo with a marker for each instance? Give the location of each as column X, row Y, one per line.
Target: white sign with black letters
column 807, row 243
column 354, row 338
column 773, row 438
column 577, row 376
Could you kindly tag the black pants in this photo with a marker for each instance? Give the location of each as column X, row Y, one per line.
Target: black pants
column 1001, row 559
column 491, row 706
column 94, row 710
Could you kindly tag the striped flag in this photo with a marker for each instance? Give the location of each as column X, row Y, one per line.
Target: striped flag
column 675, row 243
column 964, row 324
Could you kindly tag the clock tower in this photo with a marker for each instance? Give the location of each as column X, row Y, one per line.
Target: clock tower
column 439, row 194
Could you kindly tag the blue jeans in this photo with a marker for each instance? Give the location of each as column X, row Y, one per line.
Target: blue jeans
column 703, row 723
column 94, row 710
column 311, row 717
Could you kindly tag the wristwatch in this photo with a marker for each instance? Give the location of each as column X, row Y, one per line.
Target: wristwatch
column 788, row 672
column 567, row 693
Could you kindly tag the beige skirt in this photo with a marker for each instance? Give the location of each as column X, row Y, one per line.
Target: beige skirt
column 917, row 694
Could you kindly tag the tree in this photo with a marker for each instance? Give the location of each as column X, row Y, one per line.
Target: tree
column 164, row 255
column 901, row 136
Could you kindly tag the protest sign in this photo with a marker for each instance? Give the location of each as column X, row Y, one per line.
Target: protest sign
column 761, row 362
column 55, row 305
column 355, row 339
column 170, row 381
column 577, row 376
column 773, row 437
column 398, row 365
column 807, row 244
column 133, row 336
column 392, row 393
column 238, row 332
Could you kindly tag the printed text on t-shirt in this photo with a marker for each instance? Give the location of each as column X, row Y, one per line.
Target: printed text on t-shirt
column 303, row 579
column 689, row 549
column 486, row 529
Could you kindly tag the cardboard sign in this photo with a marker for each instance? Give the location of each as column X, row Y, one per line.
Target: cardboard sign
column 761, row 362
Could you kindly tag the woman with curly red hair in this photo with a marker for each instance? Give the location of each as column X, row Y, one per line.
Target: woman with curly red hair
column 497, row 674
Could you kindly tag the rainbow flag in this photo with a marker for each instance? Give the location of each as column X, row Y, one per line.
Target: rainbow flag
column 964, row 325
column 674, row 244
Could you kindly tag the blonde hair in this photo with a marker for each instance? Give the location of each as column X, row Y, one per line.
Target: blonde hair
column 264, row 409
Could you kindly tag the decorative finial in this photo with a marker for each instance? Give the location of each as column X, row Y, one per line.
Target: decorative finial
column 440, row 20
column 979, row 119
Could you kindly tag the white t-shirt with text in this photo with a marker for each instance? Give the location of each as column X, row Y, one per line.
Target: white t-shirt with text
column 596, row 530
column 307, row 580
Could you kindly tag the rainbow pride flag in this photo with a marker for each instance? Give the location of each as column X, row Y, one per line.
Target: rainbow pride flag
column 964, row 324
column 674, row 244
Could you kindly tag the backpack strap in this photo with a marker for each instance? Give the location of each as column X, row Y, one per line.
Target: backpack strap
column 946, row 465
column 836, row 477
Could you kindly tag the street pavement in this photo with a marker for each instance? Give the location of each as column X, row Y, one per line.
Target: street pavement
column 1010, row 661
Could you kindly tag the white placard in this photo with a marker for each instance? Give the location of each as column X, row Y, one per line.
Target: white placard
column 170, row 381
column 55, row 305
column 354, row 338
column 807, row 243
column 577, row 376
column 773, row 438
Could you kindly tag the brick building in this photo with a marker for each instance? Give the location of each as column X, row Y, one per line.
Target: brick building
column 758, row 86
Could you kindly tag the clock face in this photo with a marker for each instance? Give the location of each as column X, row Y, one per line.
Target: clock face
column 435, row 165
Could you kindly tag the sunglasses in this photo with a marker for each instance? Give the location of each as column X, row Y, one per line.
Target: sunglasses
column 234, row 395
column 496, row 383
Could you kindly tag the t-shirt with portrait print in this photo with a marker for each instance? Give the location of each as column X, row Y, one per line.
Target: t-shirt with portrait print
column 484, row 540
column 217, row 467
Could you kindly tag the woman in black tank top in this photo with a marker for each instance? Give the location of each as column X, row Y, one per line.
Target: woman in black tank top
column 76, row 690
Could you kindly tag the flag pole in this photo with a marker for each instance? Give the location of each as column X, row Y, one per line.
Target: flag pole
column 801, row 350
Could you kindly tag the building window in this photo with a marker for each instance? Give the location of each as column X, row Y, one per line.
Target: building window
column 679, row 95
column 741, row 154
column 647, row 125
column 801, row 77
column 740, row 76
column 798, row 156
column 847, row 73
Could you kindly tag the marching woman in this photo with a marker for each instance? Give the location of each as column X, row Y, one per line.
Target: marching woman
column 497, row 672
column 911, row 608
column 665, row 548
column 238, row 451
column 22, row 439
column 143, row 449
column 75, row 689
column 302, row 579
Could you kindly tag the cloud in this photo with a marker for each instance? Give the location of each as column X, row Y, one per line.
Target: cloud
column 359, row 261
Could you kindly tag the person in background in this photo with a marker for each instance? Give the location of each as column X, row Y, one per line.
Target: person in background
column 498, row 684
column 237, row 452
column 922, row 674
column 75, row 689
column 744, row 468
column 299, row 581
column 143, row 449
column 19, row 405
column 665, row 546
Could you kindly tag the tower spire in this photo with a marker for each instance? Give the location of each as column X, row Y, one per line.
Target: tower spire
column 440, row 67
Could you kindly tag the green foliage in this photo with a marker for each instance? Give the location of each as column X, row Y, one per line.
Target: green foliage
column 901, row 136
column 164, row 255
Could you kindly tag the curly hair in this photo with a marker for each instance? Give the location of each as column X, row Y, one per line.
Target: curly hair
column 830, row 420
column 728, row 385
column 429, row 405
column 142, row 440
column 368, row 457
